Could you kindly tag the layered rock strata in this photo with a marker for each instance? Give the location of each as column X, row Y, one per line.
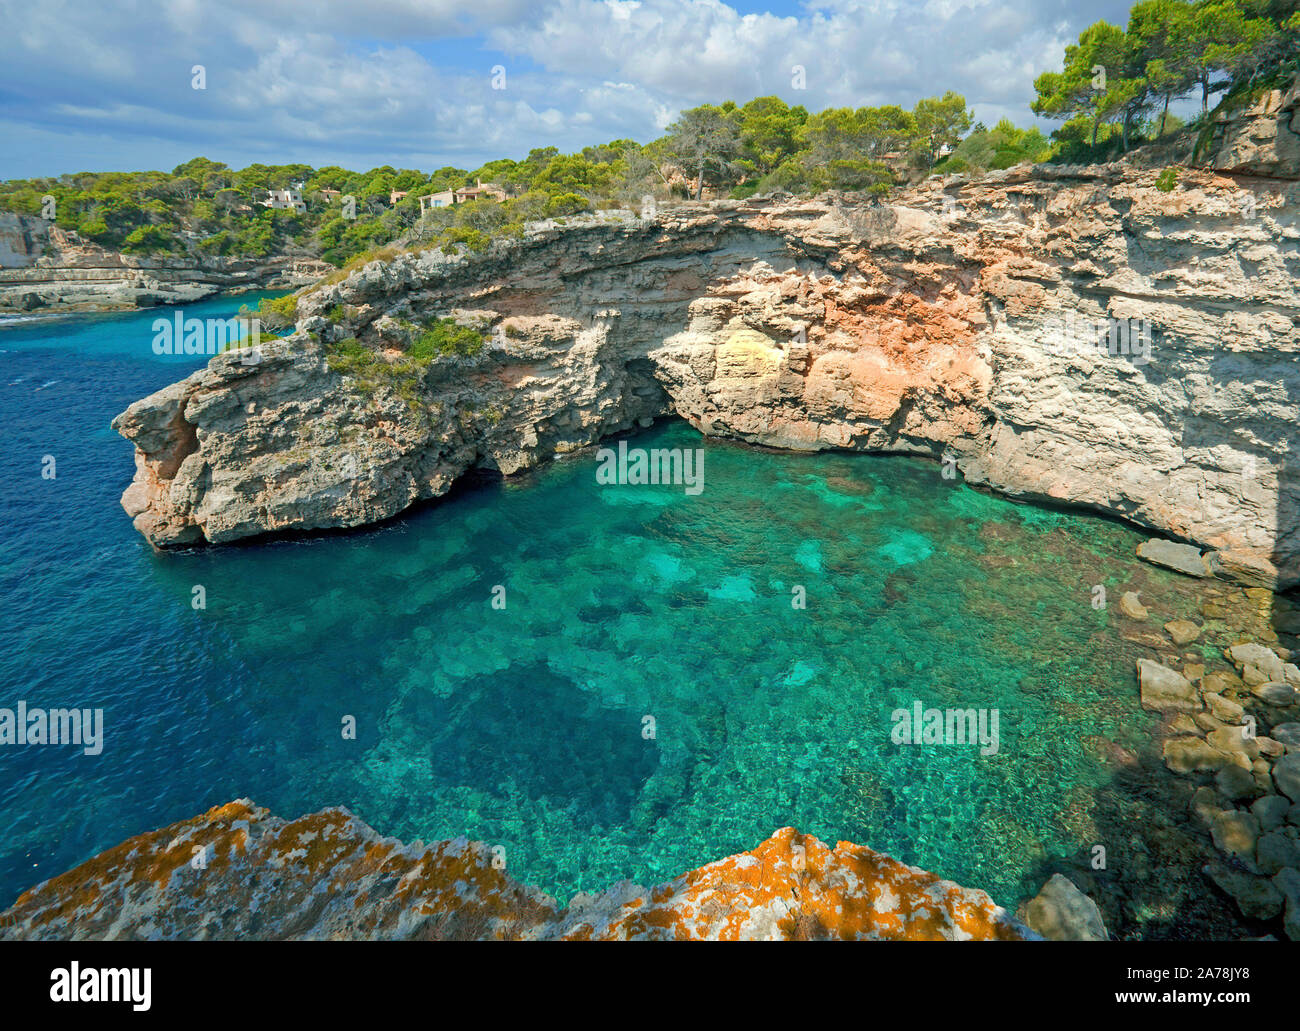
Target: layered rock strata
column 46, row 269
column 1072, row 334
column 239, row 872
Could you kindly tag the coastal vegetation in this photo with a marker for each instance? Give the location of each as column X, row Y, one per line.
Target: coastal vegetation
column 438, row 338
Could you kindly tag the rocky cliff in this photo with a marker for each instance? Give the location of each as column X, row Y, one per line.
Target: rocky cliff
column 1085, row 335
column 44, row 268
column 237, row 872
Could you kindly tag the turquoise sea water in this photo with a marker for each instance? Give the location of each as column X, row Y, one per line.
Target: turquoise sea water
column 525, row 726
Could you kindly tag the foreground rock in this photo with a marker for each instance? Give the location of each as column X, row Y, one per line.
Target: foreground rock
column 961, row 322
column 330, row 876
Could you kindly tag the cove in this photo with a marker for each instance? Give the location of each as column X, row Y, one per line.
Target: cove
column 522, row 725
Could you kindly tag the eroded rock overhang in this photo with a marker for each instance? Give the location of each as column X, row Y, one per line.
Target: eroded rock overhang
column 960, row 320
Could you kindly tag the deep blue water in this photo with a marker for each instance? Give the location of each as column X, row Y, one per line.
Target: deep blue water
column 523, row 727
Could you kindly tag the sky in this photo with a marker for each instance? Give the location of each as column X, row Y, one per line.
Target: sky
column 109, row 85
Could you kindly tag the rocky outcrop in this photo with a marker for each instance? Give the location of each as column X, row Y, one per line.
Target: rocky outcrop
column 44, row 268
column 1260, row 138
column 961, row 321
column 237, row 872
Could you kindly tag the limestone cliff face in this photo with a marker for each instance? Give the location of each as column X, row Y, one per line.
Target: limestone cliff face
column 44, row 268
column 1261, row 139
column 237, row 872
column 960, row 320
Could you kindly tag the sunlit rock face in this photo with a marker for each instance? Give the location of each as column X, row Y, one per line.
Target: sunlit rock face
column 239, row 872
column 1262, row 138
column 1064, row 333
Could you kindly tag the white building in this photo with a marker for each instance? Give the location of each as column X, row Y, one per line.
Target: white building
column 285, row 199
column 445, row 199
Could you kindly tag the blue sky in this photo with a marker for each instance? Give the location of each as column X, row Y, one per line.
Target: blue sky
column 107, row 84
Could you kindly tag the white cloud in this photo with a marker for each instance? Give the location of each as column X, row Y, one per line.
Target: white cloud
column 392, row 81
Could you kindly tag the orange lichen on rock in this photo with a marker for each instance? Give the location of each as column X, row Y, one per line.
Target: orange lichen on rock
column 239, row 872
column 793, row 886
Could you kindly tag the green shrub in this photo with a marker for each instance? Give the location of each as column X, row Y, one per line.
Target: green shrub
column 444, row 338
column 1167, row 180
column 403, row 375
column 273, row 312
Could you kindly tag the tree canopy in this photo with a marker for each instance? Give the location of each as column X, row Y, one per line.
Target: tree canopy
column 1114, row 77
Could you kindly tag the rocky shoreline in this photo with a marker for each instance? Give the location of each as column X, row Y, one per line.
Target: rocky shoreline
column 1225, row 759
column 44, row 270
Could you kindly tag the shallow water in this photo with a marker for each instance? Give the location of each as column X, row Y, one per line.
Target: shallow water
column 525, row 726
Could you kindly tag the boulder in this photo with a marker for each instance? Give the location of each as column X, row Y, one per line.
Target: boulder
column 1276, row 851
column 1286, row 775
column 1220, row 681
column 1193, row 755
column 1164, row 688
column 1275, row 692
column 1183, row 631
column 1264, row 659
column 1131, row 606
column 1233, row 740
column 1061, row 912
column 1183, row 558
column 1270, row 811
column 1234, row 832
column 1258, row 898
column 1223, row 709
column 1288, row 883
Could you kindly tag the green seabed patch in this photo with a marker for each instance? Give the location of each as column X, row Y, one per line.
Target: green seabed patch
column 651, row 699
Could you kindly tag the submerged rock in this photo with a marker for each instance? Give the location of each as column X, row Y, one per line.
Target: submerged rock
column 1163, row 688
column 1131, row 606
column 1288, row 883
column 1192, row 755
column 1271, row 811
column 1288, row 734
column 1061, row 912
column 1234, row 832
column 1274, row 693
column 330, row 876
column 1286, row 775
column 1182, row 631
column 1257, row 897
column 1276, row 851
column 1182, row 558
